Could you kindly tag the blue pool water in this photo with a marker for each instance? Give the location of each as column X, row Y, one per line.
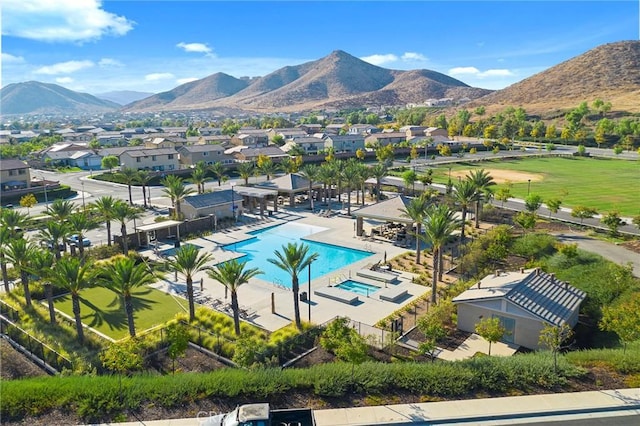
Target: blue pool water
column 358, row 287
column 257, row 250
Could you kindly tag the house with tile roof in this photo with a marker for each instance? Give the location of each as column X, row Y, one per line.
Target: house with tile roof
column 524, row 301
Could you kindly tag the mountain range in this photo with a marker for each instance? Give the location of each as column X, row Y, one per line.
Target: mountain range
column 610, row 72
column 123, row 97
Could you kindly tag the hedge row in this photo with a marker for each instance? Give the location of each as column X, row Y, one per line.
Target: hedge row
column 99, row 398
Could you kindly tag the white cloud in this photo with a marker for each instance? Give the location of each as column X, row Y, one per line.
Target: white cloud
column 158, row 76
column 186, row 80
column 110, row 63
column 11, row 59
column 413, row 56
column 64, row 67
column 61, row 20
column 195, row 47
column 496, row 73
column 464, row 70
column 64, row 80
column 380, row 59
column 475, row 72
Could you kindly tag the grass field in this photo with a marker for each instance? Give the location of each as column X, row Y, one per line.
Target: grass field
column 102, row 310
column 604, row 184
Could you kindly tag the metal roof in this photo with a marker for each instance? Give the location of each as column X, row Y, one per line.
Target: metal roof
column 535, row 291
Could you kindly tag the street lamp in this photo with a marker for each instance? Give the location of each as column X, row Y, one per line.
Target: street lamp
column 528, row 186
column 46, row 199
column 83, row 205
column 309, row 297
column 233, row 203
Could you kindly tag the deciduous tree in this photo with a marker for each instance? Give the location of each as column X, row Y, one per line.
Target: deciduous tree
column 491, row 330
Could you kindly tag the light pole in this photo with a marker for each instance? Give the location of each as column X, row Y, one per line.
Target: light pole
column 309, row 297
column 528, row 186
column 83, row 205
column 233, row 203
column 46, row 199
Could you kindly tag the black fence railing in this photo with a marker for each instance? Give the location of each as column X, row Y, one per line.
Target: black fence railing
column 42, row 354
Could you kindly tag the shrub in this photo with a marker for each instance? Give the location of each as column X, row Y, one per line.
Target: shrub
column 534, row 246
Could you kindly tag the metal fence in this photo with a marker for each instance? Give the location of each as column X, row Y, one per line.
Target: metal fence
column 39, row 352
column 375, row 337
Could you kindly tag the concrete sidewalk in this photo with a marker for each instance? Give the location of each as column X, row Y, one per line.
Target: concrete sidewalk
column 507, row 410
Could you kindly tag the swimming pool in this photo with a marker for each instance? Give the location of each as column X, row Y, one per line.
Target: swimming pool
column 358, row 287
column 257, row 250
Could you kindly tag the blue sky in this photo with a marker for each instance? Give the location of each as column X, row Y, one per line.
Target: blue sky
column 153, row 46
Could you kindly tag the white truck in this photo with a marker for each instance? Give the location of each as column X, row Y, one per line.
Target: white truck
column 262, row 415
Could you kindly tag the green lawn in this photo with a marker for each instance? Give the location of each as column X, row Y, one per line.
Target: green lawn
column 605, row 184
column 102, row 310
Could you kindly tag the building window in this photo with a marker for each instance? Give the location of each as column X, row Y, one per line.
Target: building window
column 22, row 171
column 205, row 154
column 170, row 156
column 153, row 158
column 138, row 160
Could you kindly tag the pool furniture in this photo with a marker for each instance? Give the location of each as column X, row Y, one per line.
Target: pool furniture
column 392, row 294
column 337, row 294
column 376, row 275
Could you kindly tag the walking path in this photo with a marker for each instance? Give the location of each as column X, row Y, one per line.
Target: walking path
column 472, row 345
column 610, row 404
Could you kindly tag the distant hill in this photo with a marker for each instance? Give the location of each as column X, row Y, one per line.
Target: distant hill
column 33, row 97
column 610, row 72
column 337, row 80
column 123, row 97
column 193, row 95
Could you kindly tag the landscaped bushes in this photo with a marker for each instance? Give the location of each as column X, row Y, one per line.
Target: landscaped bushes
column 98, row 398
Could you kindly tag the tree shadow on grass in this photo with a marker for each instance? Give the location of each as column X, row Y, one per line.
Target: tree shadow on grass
column 115, row 319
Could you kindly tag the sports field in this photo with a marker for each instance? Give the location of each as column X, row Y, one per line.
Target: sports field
column 102, row 310
column 604, row 184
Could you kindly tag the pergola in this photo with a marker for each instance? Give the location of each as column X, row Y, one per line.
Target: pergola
column 387, row 211
column 290, row 185
column 153, row 227
column 257, row 197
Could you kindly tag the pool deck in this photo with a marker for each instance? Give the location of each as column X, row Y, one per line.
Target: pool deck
column 256, row 296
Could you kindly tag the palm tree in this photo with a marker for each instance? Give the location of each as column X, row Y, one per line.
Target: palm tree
column 143, row 178
column 129, row 175
column 294, row 259
column 415, row 211
column 232, row 275
column 327, row 175
column 199, row 176
column 378, row 171
column 122, row 277
column 350, row 175
column 40, row 266
column 176, row 191
column 60, row 209
column 245, row 170
column 74, row 276
column 363, row 174
column 122, row 212
column 79, row 223
column 19, row 252
column 104, row 207
column 54, row 234
column 439, row 224
column 11, row 224
column 14, row 221
column 268, row 168
column 482, row 181
column 4, row 240
column 465, row 194
column 310, row 172
column 188, row 261
column 218, row 171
